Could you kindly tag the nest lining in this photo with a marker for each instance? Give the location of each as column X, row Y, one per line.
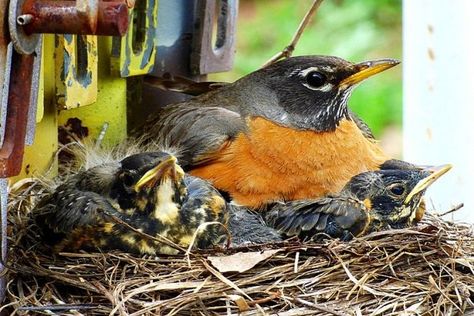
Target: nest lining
column 428, row 269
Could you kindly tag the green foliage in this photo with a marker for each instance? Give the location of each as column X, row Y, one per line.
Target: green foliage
column 354, row 30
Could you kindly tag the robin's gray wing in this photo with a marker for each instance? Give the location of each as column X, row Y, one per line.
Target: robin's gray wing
column 364, row 128
column 183, row 85
column 333, row 216
column 198, row 132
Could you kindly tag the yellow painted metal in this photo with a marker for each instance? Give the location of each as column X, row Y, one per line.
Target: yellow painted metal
column 76, row 70
column 134, row 53
column 39, row 159
column 110, row 106
column 40, row 105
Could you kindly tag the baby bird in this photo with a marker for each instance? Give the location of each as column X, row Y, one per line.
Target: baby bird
column 370, row 201
column 116, row 205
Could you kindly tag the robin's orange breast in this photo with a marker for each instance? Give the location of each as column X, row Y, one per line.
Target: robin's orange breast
column 274, row 163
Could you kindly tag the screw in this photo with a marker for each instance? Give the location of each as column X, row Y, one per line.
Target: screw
column 24, row 19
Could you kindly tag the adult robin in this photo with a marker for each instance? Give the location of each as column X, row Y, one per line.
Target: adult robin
column 370, row 201
column 281, row 133
column 119, row 205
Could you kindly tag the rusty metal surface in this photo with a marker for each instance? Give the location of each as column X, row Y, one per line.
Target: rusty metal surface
column 4, row 81
column 19, row 92
column 3, row 233
column 23, row 43
column 90, row 17
column 208, row 56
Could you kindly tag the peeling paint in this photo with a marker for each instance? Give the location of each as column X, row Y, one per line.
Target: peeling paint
column 125, row 60
column 76, row 70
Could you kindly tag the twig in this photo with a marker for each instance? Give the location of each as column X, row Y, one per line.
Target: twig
column 59, row 307
column 288, row 50
column 319, row 307
column 197, row 231
column 453, row 209
column 100, row 138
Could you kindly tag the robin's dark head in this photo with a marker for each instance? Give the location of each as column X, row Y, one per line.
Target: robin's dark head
column 306, row 92
column 393, row 196
column 148, row 179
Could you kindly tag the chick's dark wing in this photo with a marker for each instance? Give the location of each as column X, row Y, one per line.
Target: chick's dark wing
column 336, row 217
column 198, row 132
column 69, row 209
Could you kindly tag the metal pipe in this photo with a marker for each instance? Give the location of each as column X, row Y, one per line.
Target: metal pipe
column 66, row 17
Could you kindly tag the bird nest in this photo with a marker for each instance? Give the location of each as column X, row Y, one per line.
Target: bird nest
column 425, row 270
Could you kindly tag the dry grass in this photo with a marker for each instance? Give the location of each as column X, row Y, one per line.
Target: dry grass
column 425, row 270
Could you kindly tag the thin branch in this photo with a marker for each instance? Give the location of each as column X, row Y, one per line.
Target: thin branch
column 288, row 50
column 453, row 209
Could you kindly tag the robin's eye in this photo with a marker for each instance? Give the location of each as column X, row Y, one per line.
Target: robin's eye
column 315, row 79
column 397, row 189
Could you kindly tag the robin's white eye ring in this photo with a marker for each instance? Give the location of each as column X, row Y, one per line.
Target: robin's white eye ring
column 315, row 79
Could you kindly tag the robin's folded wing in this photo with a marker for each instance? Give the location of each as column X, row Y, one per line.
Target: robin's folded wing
column 198, row 132
column 334, row 216
column 183, row 85
column 364, row 128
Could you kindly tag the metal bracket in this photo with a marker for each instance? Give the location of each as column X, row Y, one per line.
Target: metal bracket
column 23, row 43
column 35, row 84
column 76, row 70
column 208, row 57
column 134, row 53
column 19, row 97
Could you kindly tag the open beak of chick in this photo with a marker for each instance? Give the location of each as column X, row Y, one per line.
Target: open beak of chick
column 434, row 173
column 167, row 169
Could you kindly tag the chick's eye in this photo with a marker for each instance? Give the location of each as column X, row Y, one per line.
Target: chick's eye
column 397, row 189
column 315, row 79
column 127, row 179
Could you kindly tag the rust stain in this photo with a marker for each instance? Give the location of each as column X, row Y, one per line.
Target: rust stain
column 11, row 152
column 429, row 133
column 431, row 54
column 72, row 131
column 66, row 17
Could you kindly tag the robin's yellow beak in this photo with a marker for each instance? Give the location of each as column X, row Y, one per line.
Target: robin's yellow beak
column 166, row 169
column 423, row 184
column 367, row 69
